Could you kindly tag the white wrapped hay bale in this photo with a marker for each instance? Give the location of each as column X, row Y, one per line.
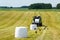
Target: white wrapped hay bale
column 21, row 32
column 36, row 20
column 33, row 27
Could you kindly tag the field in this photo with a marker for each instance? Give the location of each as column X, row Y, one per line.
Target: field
column 11, row 19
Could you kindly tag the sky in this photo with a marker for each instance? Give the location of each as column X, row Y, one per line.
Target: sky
column 18, row 3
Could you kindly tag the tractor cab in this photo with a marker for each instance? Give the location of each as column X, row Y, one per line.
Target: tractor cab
column 37, row 20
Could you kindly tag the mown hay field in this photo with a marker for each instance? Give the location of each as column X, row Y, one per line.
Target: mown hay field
column 11, row 19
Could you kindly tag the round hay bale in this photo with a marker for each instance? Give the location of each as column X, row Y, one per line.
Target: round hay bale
column 33, row 27
column 21, row 32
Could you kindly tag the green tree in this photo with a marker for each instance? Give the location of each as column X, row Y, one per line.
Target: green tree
column 47, row 6
column 40, row 6
column 58, row 6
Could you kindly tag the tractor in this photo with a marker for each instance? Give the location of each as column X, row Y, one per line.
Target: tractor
column 37, row 20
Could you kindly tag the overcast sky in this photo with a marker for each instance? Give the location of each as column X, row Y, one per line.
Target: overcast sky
column 17, row 3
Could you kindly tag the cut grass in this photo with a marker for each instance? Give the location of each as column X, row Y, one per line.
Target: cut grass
column 11, row 19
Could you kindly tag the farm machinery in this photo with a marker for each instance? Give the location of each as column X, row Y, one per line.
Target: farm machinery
column 37, row 20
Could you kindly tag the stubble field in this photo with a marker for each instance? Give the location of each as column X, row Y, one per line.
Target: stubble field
column 11, row 19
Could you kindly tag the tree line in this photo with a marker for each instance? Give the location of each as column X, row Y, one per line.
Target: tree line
column 5, row 7
column 37, row 6
column 40, row 6
column 43, row 6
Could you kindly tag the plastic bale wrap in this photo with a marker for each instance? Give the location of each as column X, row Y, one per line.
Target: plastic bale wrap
column 33, row 27
column 21, row 32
